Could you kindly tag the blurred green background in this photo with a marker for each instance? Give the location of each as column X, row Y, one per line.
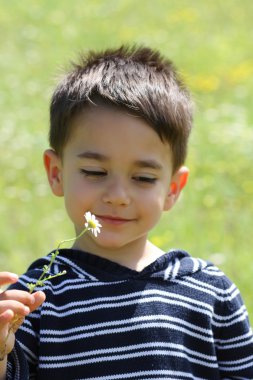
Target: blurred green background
column 211, row 44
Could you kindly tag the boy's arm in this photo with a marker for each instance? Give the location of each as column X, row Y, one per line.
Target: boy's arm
column 5, row 319
column 233, row 336
column 3, row 367
column 13, row 303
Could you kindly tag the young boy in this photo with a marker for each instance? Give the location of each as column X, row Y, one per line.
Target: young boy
column 120, row 121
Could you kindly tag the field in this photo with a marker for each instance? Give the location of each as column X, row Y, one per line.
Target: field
column 210, row 42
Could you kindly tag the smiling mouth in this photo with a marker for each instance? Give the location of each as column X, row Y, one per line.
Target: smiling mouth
column 113, row 219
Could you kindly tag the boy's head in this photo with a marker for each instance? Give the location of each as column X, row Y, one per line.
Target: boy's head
column 137, row 80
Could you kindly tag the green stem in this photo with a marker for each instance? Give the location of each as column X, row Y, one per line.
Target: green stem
column 40, row 282
column 72, row 239
column 47, row 268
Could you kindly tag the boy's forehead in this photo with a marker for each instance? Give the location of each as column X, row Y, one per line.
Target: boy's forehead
column 97, row 130
column 103, row 120
column 97, row 114
column 117, row 123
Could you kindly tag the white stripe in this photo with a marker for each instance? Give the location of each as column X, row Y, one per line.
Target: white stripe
column 232, row 340
column 161, row 378
column 240, row 311
column 213, row 271
column 167, row 271
column 216, row 290
column 165, row 325
column 235, row 367
column 159, row 295
column 122, row 304
column 175, row 268
column 196, row 265
column 203, row 263
column 28, row 329
column 123, row 322
column 34, row 315
column 23, row 280
column 134, row 347
column 235, row 345
column 63, row 287
column 239, row 361
column 63, row 261
column 55, row 268
column 140, row 374
column 223, row 324
column 75, row 268
column 29, row 354
column 184, row 282
column 129, row 356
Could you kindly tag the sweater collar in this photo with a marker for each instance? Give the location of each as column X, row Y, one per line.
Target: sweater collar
column 173, row 264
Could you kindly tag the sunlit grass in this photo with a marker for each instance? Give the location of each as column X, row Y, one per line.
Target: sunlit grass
column 211, row 43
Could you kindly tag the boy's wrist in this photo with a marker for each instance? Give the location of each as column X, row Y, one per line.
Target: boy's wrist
column 3, row 352
column 3, row 367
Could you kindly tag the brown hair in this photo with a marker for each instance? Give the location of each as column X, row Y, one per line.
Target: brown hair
column 138, row 79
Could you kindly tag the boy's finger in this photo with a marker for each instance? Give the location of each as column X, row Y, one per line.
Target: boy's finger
column 8, row 278
column 17, row 295
column 6, row 345
column 6, row 317
column 21, row 302
column 15, row 306
column 39, row 298
column 4, row 320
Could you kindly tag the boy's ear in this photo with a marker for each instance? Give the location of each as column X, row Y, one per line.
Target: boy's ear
column 178, row 182
column 53, row 166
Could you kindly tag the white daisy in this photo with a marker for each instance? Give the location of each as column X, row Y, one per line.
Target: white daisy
column 92, row 223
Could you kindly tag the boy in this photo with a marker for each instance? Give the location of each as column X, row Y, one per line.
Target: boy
column 120, row 121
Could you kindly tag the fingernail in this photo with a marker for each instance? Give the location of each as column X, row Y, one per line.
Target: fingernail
column 14, row 276
column 27, row 310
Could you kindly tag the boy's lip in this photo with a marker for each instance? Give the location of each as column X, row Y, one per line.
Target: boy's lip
column 113, row 219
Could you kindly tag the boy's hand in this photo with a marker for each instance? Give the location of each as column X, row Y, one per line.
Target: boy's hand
column 14, row 306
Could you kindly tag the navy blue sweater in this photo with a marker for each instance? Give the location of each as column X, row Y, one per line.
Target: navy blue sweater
column 179, row 318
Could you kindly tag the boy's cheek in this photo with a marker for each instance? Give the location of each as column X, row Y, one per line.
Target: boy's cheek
column 169, row 203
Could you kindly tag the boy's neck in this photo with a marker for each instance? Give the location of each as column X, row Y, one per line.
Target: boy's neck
column 135, row 258
column 152, row 253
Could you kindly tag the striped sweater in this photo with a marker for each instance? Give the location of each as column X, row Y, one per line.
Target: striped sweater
column 179, row 318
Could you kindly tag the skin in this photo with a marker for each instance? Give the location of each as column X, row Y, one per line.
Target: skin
column 13, row 302
column 115, row 166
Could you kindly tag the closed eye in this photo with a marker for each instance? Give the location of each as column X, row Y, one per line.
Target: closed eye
column 145, row 179
column 93, row 173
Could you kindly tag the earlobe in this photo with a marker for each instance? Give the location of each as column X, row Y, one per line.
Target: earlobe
column 53, row 166
column 178, row 182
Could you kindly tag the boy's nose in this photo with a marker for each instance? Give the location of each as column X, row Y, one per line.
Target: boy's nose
column 117, row 193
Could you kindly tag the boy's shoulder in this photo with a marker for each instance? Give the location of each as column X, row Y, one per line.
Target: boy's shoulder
column 176, row 266
column 63, row 262
column 200, row 282
column 182, row 267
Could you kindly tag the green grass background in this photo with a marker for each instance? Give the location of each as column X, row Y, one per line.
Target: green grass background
column 210, row 42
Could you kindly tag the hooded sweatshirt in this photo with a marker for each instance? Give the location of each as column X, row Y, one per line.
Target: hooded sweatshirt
column 179, row 318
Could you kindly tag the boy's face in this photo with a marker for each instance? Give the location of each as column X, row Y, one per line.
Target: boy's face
column 115, row 166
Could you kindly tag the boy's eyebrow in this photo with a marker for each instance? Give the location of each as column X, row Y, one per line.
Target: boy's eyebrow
column 92, row 155
column 152, row 164
column 149, row 163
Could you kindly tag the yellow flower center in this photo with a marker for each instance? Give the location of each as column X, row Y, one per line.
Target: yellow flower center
column 92, row 223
